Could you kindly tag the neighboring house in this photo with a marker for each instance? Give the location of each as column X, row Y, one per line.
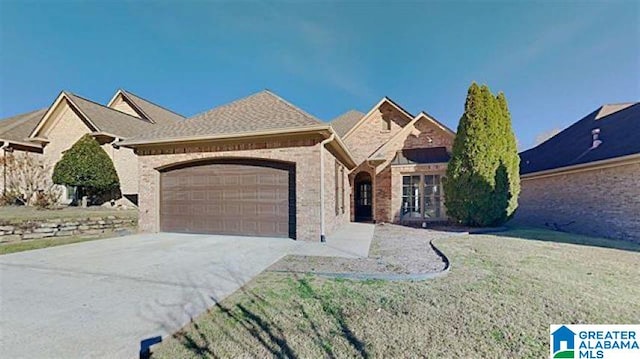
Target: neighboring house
column 261, row 166
column 586, row 179
column 47, row 133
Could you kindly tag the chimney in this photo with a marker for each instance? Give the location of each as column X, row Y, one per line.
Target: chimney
column 596, row 142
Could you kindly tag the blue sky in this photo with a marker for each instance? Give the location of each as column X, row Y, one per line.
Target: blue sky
column 555, row 61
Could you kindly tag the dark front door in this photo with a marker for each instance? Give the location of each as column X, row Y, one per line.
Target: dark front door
column 363, row 201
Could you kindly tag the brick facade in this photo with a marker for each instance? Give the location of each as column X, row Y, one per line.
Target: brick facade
column 387, row 179
column 372, row 132
column 65, row 128
column 602, row 202
column 305, row 153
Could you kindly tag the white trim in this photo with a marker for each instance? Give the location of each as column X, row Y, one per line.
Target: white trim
column 20, row 143
column 610, row 162
column 52, row 108
column 113, row 99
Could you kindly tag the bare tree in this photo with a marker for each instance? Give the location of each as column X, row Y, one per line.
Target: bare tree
column 27, row 180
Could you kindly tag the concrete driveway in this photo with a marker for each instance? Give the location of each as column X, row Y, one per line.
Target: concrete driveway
column 103, row 298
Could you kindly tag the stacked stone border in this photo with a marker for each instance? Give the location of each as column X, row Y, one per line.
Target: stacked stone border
column 27, row 229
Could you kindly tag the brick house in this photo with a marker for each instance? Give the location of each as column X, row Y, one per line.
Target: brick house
column 586, row 179
column 261, row 166
column 48, row 132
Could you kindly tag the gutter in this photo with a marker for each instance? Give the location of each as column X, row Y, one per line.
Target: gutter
column 202, row 138
column 322, row 224
column 610, row 162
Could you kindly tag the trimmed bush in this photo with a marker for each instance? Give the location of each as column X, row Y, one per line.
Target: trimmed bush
column 482, row 182
column 87, row 166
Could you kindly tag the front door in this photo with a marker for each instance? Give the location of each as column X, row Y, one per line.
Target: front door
column 363, row 201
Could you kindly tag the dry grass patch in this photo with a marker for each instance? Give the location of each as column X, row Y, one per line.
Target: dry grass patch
column 498, row 301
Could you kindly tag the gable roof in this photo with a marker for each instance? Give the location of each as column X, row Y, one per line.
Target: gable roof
column 148, row 110
column 382, row 101
column 378, row 154
column 343, row 123
column 98, row 117
column 109, row 120
column 18, row 128
column 260, row 112
column 619, row 133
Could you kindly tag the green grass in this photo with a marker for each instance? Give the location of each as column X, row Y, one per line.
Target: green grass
column 28, row 245
column 12, row 213
column 498, row 301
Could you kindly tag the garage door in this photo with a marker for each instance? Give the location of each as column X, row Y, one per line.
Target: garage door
column 247, row 198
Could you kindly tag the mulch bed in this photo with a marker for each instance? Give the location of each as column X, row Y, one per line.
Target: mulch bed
column 395, row 250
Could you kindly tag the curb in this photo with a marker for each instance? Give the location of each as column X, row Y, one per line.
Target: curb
column 488, row 230
column 387, row 277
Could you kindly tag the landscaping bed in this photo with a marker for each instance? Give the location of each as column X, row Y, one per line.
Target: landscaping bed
column 24, row 228
column 395, row 250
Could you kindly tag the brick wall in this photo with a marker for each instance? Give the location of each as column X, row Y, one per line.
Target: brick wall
column 334, row 220
column 599, row 202
column 303, row 152
column 370, row 135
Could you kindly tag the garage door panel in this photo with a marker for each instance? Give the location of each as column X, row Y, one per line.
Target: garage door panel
column 227, row 199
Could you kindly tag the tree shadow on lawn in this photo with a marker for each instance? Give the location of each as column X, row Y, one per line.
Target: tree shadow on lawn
column 256, row 316
column 547, row 235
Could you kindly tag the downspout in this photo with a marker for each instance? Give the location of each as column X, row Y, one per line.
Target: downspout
column 322, row 144
column 4, row 148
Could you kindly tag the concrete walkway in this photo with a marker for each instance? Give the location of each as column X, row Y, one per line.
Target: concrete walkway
column 352, row 240
column 102, row 299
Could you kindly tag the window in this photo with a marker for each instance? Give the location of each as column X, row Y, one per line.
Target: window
column 422, row 197
column 364, row 199
column 431, row 195
column 411, row 207
column 71, row 192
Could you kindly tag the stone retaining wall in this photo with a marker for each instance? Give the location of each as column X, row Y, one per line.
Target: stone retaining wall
column 16, row 230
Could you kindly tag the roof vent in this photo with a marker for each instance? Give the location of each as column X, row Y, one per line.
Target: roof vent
column 596, row 141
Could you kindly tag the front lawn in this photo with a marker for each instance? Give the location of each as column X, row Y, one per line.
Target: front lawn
column 498, row 301
column 22, row 246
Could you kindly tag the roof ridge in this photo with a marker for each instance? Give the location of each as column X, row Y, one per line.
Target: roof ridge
column 103, row 106
column 25, row 118
column 151, row 102
column 630, row 103
column 296, row 108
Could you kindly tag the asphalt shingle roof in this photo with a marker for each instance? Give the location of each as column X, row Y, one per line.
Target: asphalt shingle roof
column 109, row 120
column 158, row 114
column 259, row 112
column 19, row 127
column 343, row 123
column 619, row 133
